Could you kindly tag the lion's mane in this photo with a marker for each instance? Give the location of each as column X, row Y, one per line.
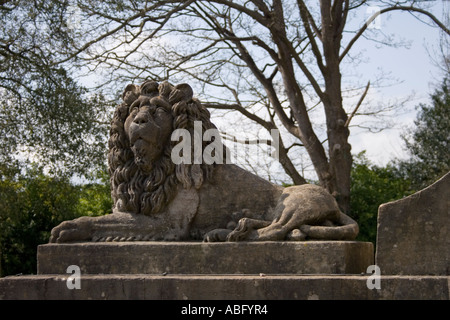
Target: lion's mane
column 134, row 191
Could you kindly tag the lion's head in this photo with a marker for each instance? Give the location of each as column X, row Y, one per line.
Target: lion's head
column 143, row 177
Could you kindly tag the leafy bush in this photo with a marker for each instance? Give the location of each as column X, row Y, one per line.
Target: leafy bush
column 31, row 204
column 371, row 187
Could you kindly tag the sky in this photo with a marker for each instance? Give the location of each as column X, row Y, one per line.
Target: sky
column 413, row 66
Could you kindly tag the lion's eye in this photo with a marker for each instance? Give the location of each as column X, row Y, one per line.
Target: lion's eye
column 160, row 111
column 152, row 110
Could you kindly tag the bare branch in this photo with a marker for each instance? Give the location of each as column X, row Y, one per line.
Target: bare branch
column 245, row 56
column 252, row 13
column 294, row 145
column 141, row 13
column 261, row 6
column 357, row 105
column 267, row 125
column 376, row 14
column 307, row 18
column 310, row 19
column 229, row 137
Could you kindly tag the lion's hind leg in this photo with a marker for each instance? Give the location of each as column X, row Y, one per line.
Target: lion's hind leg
column 346, row 229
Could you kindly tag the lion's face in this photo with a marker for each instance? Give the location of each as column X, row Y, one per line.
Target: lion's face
column 148, row 127
column 144, row 179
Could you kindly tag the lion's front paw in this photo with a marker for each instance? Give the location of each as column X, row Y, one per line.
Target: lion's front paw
column 80, row 229
column 217, row 235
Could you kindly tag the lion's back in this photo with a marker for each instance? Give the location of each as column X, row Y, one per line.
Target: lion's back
column 310, row 197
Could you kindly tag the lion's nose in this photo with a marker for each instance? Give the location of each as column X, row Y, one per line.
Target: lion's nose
column 141, row 118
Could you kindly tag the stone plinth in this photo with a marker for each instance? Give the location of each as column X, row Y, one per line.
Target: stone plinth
column 216, row 271
column 413, row 235
column 309, row 257
column 224, row 287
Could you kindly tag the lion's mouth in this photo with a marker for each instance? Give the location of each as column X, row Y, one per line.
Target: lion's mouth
column 145, row 154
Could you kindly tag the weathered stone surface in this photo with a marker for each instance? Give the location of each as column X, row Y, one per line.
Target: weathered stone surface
column 311, row 257
column 225, row 287
column 160, row 195
column 413, row 233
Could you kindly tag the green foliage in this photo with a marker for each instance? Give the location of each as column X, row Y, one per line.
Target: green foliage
column 429, row 146
column 95, row 198
column 429, row 141
column 31, row 204
column 371, row 187
column 44, row 113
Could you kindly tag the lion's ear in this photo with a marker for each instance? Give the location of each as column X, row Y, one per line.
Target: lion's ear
column 149, row 87
column 165, row 88
column 181, row 92
column 131, row 93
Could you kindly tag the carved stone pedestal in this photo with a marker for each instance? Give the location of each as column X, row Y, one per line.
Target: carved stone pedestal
column 331, row 270
column 224, row 287
column 309, row 257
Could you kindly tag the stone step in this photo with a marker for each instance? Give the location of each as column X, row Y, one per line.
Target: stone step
column 223, row 287
column 308, row 257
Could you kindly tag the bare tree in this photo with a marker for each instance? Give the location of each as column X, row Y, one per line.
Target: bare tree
column 274, row 62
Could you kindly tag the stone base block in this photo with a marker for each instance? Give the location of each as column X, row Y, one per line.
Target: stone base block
column 309, row 257
column 226, row 287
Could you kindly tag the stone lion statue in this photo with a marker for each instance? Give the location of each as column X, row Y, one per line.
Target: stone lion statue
column 157, row 199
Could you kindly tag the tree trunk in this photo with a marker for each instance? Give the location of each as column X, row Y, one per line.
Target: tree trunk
column 297, row 103
column 340, row 158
